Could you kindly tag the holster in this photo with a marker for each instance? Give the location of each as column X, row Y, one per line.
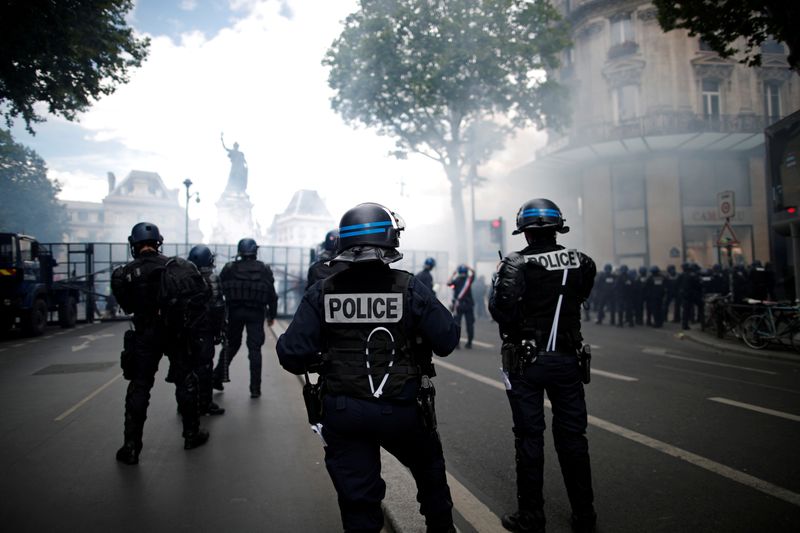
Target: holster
column 312, row 397
column 126, row 358
column 585, row 362
column 517, row 356
column 427, row 403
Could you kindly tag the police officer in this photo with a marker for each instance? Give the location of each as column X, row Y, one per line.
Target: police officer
column 463, row 305
column 424, row 276
column 623, row 293
column 639, row 296
column 692, row 296
column 209, row 332
column 136, row 288
column 322, row 267
column 605, row 295
column 671, row 294
column 358, row 329
column 654, row 297
column 536, row 302
column 249, row 290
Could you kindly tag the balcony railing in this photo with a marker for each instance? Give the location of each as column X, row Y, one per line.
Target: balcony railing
column 654, row 124
column 623, row 49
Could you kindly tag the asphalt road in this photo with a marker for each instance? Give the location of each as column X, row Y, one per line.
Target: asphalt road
column 682, row 438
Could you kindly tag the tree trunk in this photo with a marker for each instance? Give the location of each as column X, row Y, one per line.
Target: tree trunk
column 457, row 203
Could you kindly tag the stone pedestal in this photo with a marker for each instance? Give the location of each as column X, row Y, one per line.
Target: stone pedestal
column 234, row 218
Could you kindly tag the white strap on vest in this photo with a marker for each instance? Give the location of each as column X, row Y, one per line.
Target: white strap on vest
column 377, row 393
column 551, row 342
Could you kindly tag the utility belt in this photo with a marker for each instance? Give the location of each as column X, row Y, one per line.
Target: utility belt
column 517, row 356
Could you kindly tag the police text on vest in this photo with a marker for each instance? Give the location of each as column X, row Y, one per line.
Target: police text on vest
column 363, row 308
column 556, row 260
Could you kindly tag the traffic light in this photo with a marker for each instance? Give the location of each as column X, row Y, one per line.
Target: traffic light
column 790, row 209
column 496, row 231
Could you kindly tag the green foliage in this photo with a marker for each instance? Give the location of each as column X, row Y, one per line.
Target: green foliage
column 29, row 199
column 65, row 53
column 436, row 75
column 720, row 23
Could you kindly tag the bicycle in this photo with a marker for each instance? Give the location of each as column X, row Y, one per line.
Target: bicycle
column 776, row 323
column 723, row 316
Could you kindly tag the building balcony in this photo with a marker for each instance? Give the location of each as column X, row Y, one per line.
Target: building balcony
column 622, row 49
column 664, row 131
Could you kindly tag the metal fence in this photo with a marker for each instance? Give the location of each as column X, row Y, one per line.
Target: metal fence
column 88, row 267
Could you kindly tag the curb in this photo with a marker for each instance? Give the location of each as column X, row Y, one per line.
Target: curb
column 727, row 346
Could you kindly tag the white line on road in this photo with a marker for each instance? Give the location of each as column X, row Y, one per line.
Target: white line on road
column 78, row 405
column 478, row 343
column 707, row 464
column 715, row 376
column 612, row 375
column 756, row 408
column 472, row 509
column 662, row 352
column 17, row 345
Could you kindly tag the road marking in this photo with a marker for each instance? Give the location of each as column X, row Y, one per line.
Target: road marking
column 707, row 464
column 78, row 405
column 715, row 376
column 3, row 349
column 612, row 375
column 17, row 345
column 89, row 339
column 662, row 352
column 478, row 343
column 757, row 409
column 472, row 509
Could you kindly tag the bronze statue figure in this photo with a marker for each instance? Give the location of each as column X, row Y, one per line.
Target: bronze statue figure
column 237, row 179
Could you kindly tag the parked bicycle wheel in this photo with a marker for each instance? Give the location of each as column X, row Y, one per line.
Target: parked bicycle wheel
column 755, row 332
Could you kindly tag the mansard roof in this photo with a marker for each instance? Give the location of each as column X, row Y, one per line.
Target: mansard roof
column 141, row 184
column 306, row 203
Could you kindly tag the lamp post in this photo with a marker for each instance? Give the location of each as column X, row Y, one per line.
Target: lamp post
column 188, row 183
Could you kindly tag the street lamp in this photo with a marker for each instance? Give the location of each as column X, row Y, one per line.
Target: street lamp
column 188, row 183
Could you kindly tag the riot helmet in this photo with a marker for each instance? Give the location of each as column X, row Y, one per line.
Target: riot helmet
column 671, row 269
column 369, row 232
column 539, row 213
column 143, row 233
column 623, row 269
column 655, row 270
column 331, row 240
column 608, row 268
column 642, row 271
column 462, row 269
column 202, row 256
column 430, row 263
column 247, row 247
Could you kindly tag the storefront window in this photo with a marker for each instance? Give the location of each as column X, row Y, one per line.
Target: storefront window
column 700, row 245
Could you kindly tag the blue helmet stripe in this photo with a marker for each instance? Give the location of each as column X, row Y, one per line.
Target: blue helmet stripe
column 362, row 232
column 540, row 213
column 366, row 225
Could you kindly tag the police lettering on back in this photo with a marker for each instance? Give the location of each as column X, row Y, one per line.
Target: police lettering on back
column 360, row 308
column 557, row 260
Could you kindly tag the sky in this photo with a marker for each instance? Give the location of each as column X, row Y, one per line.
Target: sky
column 251, row 69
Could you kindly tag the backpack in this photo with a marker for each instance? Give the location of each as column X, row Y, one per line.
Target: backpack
column 183, row 295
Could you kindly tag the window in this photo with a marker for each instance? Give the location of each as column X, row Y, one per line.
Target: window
column 25, row 250
column 711, row 97
column 8, row 249
column 625, row 101
column 771, row 46
column 703, row 179
column 621, row 30
column 568, row 56
column 772, row 102
column 704, row 46
column 83, row 216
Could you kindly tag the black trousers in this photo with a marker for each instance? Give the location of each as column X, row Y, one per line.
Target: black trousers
column 149, row 345
column 355, row 431
column 466, row 311
column 559, row 375
column 204, row 368
column 240, row 318
column 606, row 301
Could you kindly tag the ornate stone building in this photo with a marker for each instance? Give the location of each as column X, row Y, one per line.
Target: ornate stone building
column 141, row 196
column 304, row 223
column 660, row 126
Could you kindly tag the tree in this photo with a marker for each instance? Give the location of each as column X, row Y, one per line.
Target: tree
column 720, row 23
column 64, row 53
column 29, row 199
column 448, row 79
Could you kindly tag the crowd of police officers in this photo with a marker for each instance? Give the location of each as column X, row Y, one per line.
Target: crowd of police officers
column 650, row 296
column 370, row 333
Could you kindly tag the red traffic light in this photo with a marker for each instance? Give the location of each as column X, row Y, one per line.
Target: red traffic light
column 791, row 210
column 496, row 223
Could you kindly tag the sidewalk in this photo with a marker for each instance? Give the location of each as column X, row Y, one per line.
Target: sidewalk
column 730, row 344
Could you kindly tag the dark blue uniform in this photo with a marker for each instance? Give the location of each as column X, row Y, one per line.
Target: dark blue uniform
column 356, row 423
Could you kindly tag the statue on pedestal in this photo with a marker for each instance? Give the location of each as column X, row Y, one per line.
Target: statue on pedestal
column 237, row 179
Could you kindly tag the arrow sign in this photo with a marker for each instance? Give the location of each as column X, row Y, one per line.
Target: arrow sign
column 89, row 339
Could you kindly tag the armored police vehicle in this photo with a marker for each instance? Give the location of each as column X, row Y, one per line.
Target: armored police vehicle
column 28, row 293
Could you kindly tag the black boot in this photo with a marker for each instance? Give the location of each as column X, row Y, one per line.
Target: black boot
column 196, row 439
column 129, row 453
column 524, row 521
column 584, row 524
column 213, row 409
column 255, row 393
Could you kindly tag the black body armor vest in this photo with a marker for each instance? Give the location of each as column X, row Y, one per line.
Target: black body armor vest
column 544, row 282
column 247, row 282
column 136, row 285
column 367, row 324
